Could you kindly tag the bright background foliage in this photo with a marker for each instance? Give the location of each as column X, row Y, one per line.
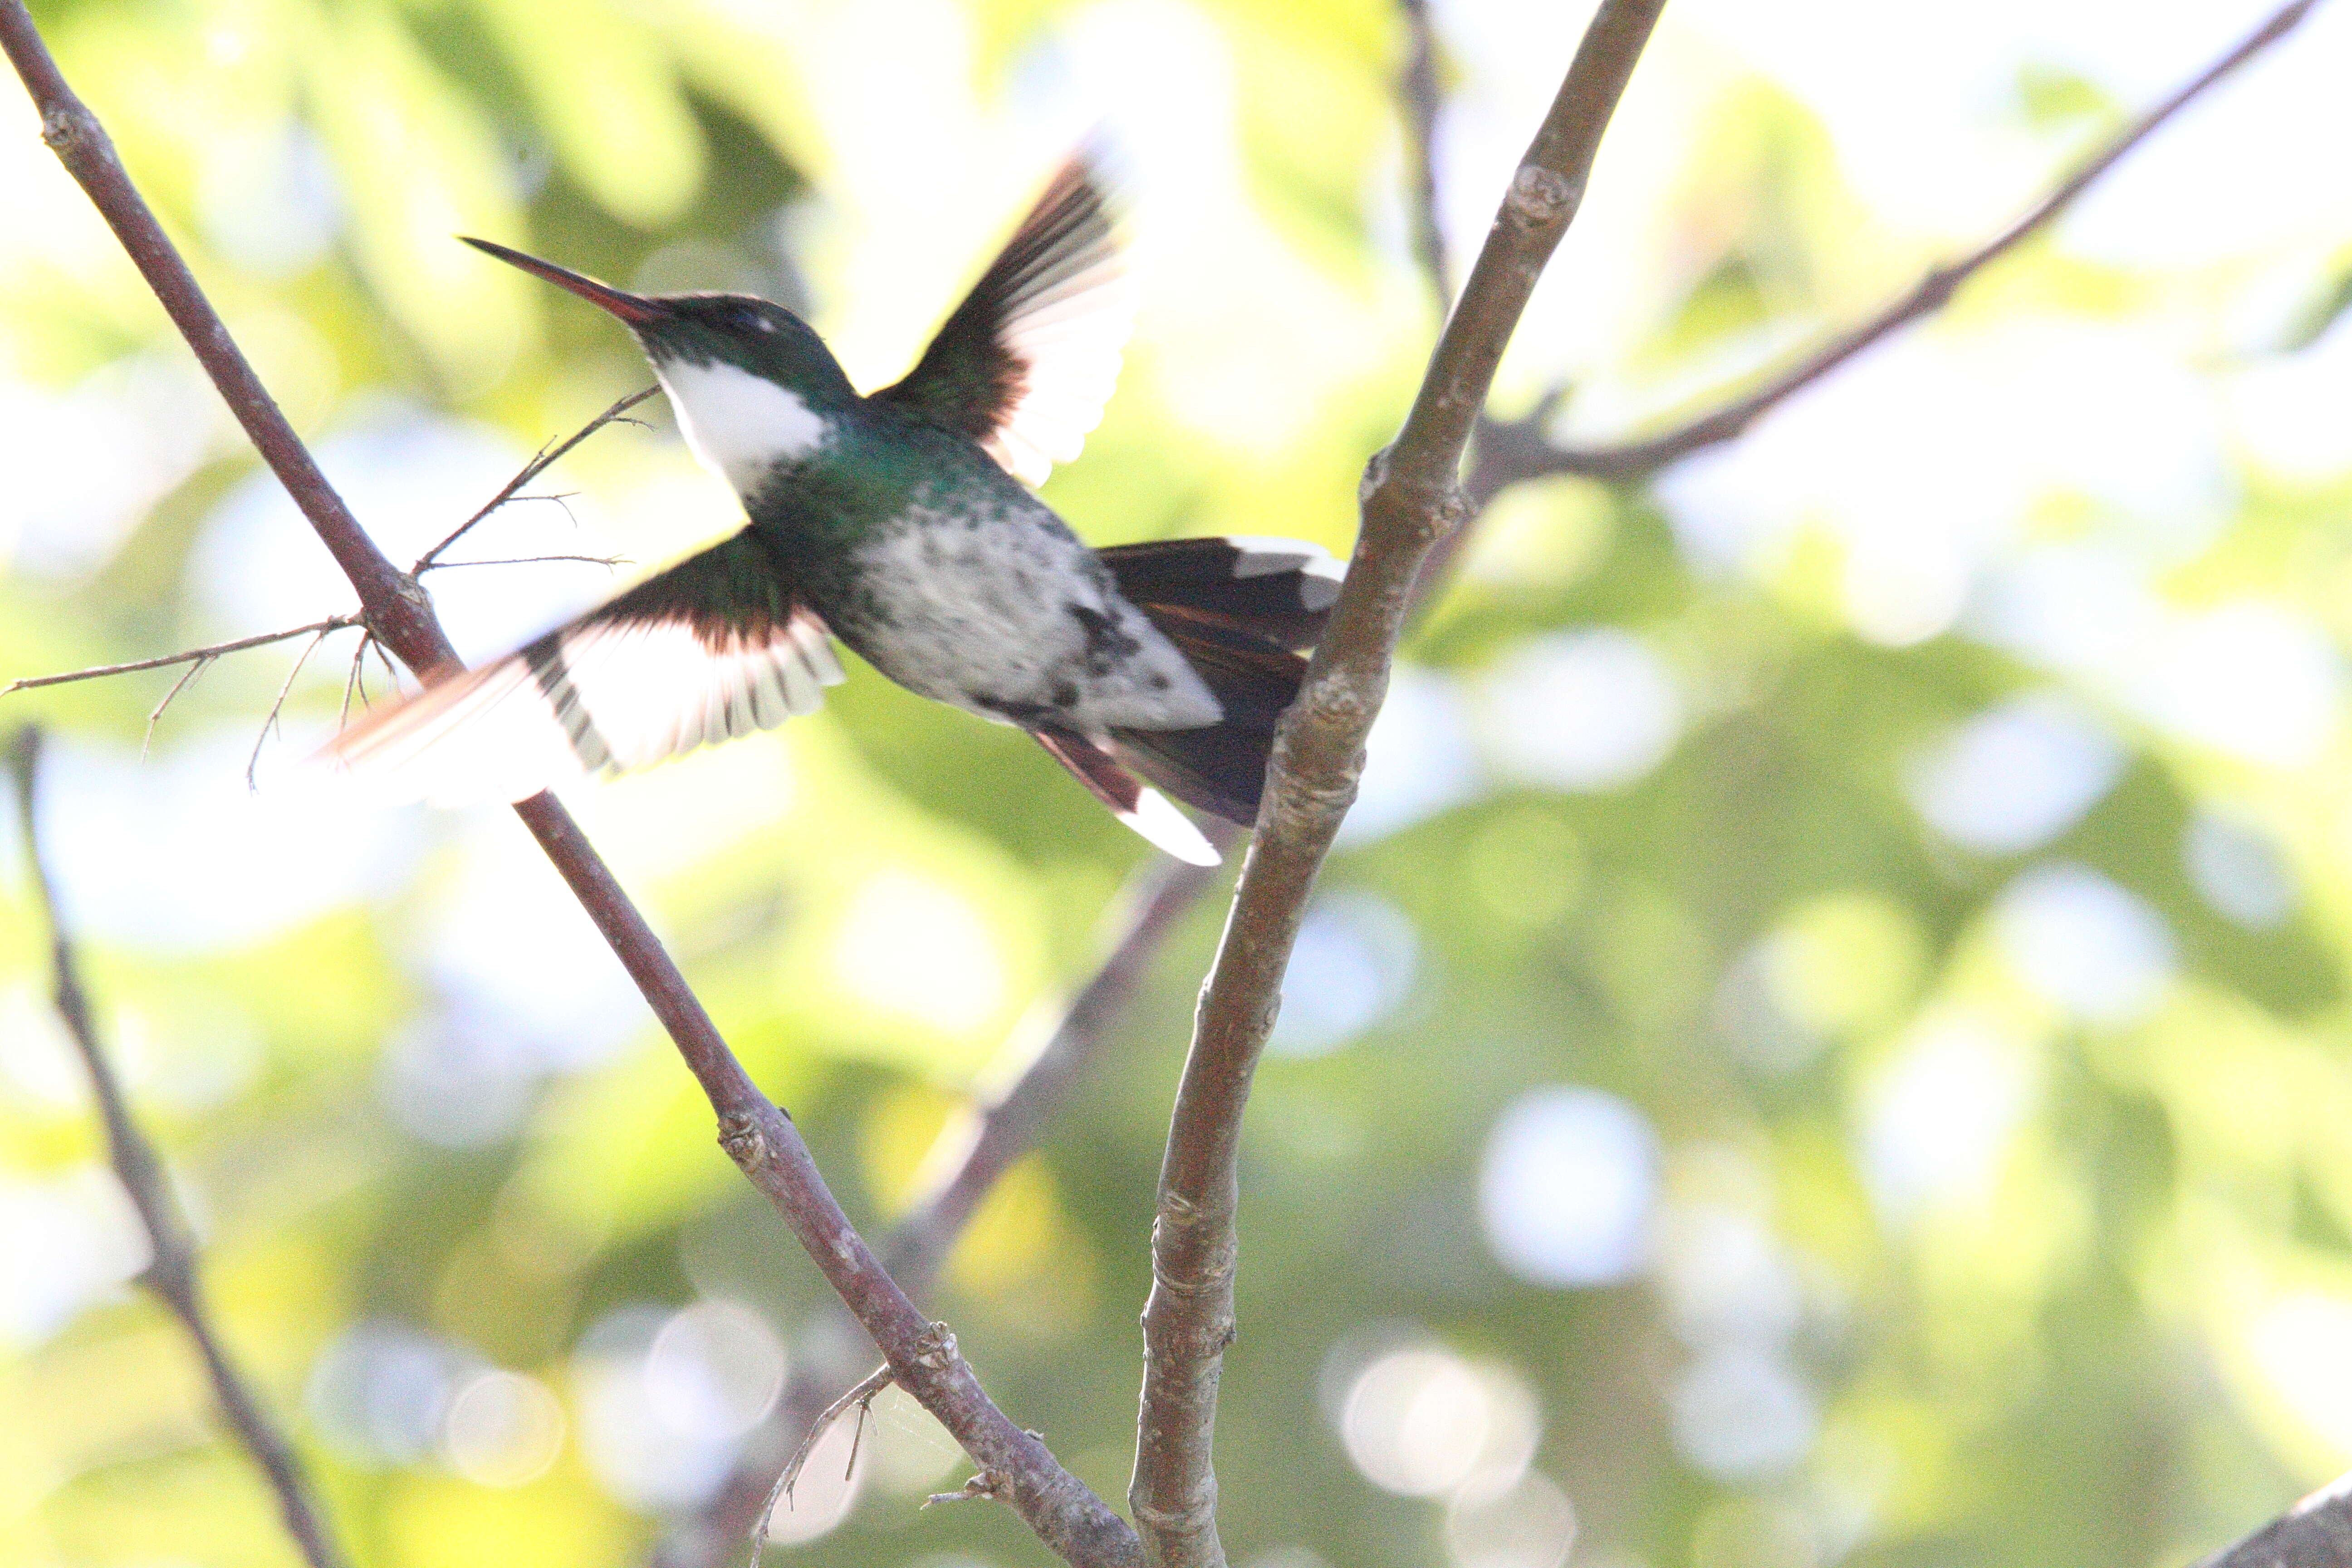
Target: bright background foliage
column 1825, row 1043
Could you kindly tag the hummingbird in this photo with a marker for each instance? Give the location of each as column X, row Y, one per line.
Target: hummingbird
column 902, row 524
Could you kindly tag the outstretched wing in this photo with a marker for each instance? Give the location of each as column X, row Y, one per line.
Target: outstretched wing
column 716, row 646
column 1027, row 363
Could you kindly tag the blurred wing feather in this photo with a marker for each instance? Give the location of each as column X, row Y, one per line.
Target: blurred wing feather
column 718, row 646
column 1029, row 359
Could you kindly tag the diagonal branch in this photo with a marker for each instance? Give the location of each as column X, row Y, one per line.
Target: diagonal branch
column 1009, row 1126
column 763, row 1141
column 1519, row 449
column 1411, row 497
column 171, row 1273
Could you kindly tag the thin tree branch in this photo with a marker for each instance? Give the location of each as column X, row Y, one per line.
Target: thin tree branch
column 1419, row 95
column 544, row 460
column 1519, row 449
column 605, row 561
column 1074, row 1522
column 188, row 679
column 170, row 1274
column 277, row 707
column 968, row 1157
column 2314, row 1533
column 1411, row 497
column 861, row 1396
column 190, row 656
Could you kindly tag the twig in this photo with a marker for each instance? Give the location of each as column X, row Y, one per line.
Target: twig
column 1411, row 497
column 1067, row 1517
column 1417, row 90
column 605, row 561
column 861, row 1397
column 1519, row 449
column 986, row 1485
column 171, row 1272
column 970, row 1159
column 155, row 715
column 354, row 682
column 2314, row 1533
column 278, row 706
column 199, row 656
column 541, row 461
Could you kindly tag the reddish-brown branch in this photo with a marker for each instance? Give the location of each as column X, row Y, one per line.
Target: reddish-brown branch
column 1519, row 449
column 922, row 1355
column 171, row 1273
column 1411, row 499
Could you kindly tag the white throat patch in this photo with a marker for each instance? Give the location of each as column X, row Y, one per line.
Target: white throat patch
column 738, row 424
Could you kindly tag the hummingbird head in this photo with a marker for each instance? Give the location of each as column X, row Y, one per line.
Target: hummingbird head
column 753, row 386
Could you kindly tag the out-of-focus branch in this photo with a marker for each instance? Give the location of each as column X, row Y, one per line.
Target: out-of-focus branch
column 1512, row 450
column 965, row 1163
column 975, row 1152
column 763, row 1141
column 1411, row 497
column 2314, row 1533
column 1419, row 96
column 170, row 1272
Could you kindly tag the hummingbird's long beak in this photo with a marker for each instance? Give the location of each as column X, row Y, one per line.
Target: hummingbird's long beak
column 634, row 308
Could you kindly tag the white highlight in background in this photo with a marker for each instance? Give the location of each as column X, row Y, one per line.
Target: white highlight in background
column 1588, row 709
column 1567, row 1188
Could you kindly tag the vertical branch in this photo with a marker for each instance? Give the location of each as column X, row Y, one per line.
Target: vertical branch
column 171, row 1273
column 1411, row 499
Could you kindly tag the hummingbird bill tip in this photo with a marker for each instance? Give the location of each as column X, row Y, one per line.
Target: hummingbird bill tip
column 634, row 308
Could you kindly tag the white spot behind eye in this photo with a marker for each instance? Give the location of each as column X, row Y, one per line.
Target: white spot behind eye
column 738, row 424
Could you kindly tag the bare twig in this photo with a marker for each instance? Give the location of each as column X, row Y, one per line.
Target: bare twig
column 1411, row 497
column 277, row 706
column 155, row 715
column 197, row 656
column 2314, row 1533
column 862, row 1395
column 1519, row 449
column 541, row 461
column 605, row 561
column 1070, row 1520
column 984, row 1486
column 171, row 1273
column 1418, row 92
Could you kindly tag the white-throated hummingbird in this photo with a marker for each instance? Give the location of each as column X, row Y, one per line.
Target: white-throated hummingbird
column 901, row 523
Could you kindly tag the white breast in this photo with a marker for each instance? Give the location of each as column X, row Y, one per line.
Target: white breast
column 738, row 424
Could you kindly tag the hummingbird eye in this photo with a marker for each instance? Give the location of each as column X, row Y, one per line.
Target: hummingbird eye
column 748, row 316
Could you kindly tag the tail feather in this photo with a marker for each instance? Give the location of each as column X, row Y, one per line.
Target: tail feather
column 1220, row 768
column 1279, row 590
column 1144, row 810
column 1239, row 609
